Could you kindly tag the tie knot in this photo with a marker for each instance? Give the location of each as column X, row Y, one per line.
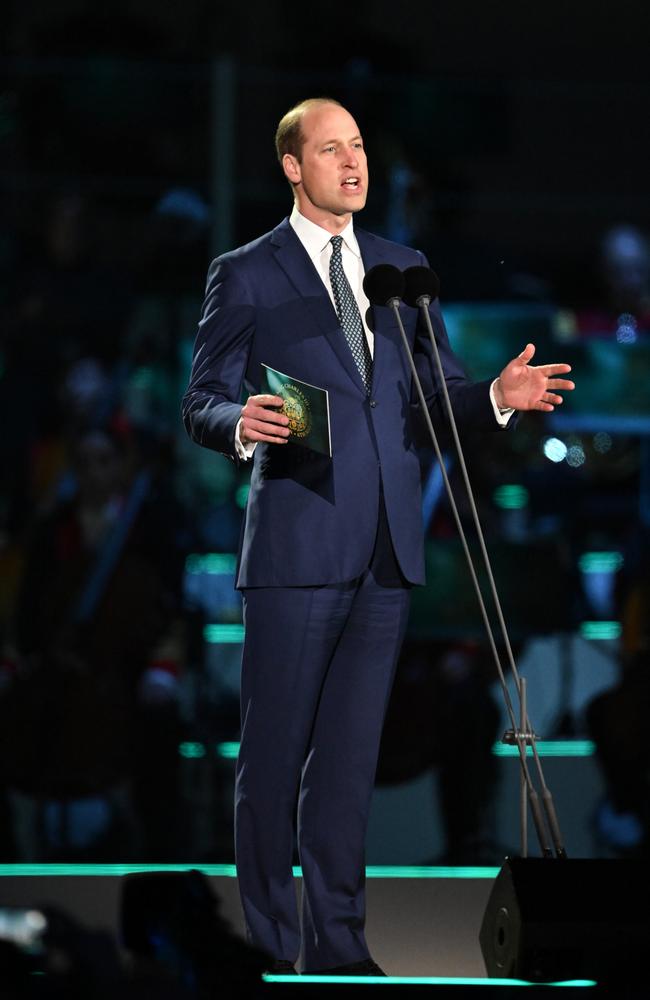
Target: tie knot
column 336, row 242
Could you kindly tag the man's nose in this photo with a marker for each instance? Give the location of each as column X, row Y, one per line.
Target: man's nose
column 351, row 158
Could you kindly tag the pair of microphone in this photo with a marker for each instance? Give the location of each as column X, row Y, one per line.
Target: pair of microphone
column 386, row 285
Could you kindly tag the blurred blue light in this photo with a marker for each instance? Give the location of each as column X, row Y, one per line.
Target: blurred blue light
column 555, row 450
column 602, row 442
column 575, row 456
column 626, row 329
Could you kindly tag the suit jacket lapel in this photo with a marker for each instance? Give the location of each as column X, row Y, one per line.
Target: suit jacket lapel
column 294, row 261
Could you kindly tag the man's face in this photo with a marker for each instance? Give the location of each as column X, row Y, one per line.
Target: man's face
column 331, row 179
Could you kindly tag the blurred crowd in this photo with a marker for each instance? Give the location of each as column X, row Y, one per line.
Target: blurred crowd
column 94, row 536
column 105, row 668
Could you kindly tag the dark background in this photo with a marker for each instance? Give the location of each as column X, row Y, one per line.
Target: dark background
column 136, row 141
column 530, row 123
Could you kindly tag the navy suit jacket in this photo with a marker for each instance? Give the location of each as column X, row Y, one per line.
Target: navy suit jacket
column 312, row 520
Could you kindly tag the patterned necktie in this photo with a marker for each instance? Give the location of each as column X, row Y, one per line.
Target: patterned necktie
column 348, row 313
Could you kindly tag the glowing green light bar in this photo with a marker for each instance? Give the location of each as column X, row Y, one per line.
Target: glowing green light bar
column 545, row 748
column 211, row 562
column 549, row 748
column 229, row 870
column 511, row 497
column 418, row 980
column 195, row 750
column 191, row 750
column 431, row 871
column 223, row 633
column 423, row 871
column 600, row 562
column 601, row 630
column 109, row 870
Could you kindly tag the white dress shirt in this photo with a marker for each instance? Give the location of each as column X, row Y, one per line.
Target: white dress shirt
column 316, row 242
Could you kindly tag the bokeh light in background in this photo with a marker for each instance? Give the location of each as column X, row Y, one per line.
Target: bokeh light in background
column 508, row 144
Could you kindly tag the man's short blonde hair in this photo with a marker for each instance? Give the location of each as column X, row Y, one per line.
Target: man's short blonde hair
column 289, row 137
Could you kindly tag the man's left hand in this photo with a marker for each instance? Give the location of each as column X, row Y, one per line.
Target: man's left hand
column 521, row 386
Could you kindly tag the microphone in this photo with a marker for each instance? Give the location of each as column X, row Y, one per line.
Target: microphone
column 384, row 285
column 421, row 285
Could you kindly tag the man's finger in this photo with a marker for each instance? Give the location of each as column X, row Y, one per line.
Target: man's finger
column 266, row 399
column 265, row 407
column 527, row 353
column 251, row 423
column 261, row 431
column 267, row 438
column 264, row 415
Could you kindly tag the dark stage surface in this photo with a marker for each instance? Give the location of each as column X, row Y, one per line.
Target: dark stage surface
column 423, row 923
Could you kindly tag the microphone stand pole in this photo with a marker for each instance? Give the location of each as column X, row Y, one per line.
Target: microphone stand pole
column 526, row 736
column 521, row 735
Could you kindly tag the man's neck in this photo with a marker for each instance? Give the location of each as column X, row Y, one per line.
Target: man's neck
column 334, row 224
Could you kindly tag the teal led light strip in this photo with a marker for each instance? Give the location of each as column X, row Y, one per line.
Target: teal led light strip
column 549, row 748
column 601, row 630
column 545, row 748
column 600, row 562
column 418, row 980
column 211, row 562
column 428, row 871
column 223, row 633
column 229, row 871
column 109, row 870
column 511, row 497
column 193, row 750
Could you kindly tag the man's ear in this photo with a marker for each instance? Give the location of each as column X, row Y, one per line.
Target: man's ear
column 291, row 168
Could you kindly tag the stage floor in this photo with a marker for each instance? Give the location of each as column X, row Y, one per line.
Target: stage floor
column 421, row 922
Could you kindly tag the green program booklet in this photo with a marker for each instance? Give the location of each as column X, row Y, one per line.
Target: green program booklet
column 306, row 406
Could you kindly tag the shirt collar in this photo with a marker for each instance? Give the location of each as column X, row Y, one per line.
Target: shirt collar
column 314, row 238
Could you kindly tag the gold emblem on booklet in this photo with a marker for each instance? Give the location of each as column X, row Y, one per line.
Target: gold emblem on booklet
column 296, row 408
column 306, row 406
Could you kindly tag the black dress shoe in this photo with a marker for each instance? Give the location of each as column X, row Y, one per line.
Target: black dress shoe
column 365, row 968
column 282, row 967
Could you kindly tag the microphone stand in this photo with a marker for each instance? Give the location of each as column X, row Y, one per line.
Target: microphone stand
column 521, row 735
column 542, row 922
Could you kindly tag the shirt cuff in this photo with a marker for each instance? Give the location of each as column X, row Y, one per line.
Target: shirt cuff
column 502, row 416
column 244, row 451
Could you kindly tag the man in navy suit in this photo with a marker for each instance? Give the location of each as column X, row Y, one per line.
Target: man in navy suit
column 330, row 547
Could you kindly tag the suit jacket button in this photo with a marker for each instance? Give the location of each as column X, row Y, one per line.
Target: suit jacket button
column 373, row 402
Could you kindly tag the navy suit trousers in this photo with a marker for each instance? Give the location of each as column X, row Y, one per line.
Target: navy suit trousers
column 317, row 671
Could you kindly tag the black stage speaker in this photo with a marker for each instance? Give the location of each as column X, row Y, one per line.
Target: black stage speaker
column 549, row 920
